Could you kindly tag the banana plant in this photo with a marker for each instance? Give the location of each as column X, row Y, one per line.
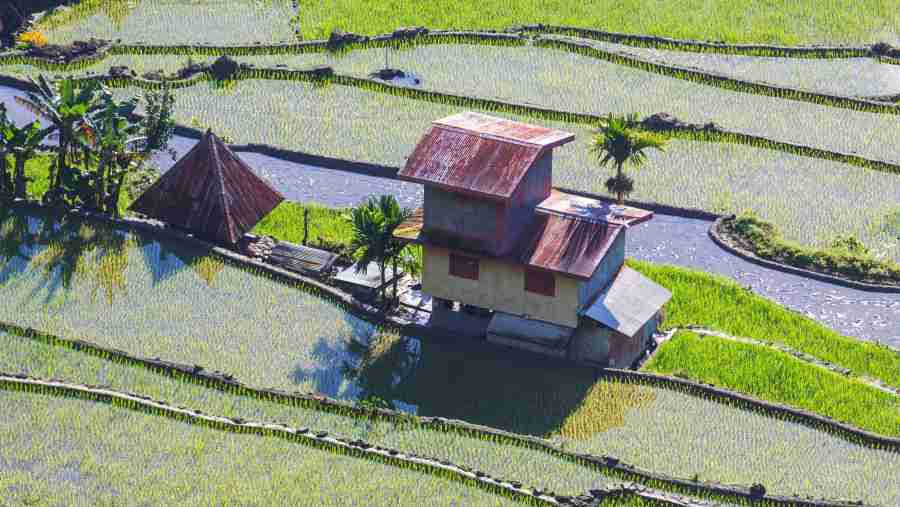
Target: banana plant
column 65, row 110
column 112, row 136
column 22, row 143
column 5, row 180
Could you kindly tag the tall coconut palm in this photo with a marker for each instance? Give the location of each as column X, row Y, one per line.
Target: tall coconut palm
column 373, row 235
column 65, row 110
column 22, row 143
column 618, row 143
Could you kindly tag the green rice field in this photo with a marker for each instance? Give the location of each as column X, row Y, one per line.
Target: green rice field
column 536, row 468
column 349, row 123
column 172, row 22
column 777, row 21
column 561, row 80
column 147, row 294
column 775, row 376
column 58, row 451
column 838, row 76
column 710, row 301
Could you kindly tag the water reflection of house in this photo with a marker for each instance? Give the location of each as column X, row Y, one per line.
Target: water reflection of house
column 496, row 236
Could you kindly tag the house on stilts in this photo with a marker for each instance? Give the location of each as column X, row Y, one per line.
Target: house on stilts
column 549, row 266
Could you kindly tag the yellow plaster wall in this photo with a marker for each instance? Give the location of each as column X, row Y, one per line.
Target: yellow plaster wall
column 500, row 286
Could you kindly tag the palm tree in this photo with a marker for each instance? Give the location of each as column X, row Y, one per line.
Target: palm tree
column 619, row 144
column 5, row 179
column 373, row 235
column 23, row 143
column 65, row 110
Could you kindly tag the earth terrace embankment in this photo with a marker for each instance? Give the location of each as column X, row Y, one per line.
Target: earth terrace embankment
column 687, row 131
column 317, row 438
column 696, row 46
column 325, row 75
column 608, row 464
column 341, row 42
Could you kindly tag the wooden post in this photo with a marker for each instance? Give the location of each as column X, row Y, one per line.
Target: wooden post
column 305, row 225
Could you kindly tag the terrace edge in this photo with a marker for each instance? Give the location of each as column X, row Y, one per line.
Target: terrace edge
column 717, row 237
column 815, row 421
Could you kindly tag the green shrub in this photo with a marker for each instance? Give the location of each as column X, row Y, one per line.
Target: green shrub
column 846, row 254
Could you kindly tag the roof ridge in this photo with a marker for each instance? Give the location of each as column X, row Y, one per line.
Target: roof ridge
column 488, row 135
column 217, row 173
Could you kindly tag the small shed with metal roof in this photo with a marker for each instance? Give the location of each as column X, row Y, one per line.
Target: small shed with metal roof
column 367, row 283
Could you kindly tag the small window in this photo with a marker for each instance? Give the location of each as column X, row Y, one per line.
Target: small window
column 464, row 266
column 540, row 282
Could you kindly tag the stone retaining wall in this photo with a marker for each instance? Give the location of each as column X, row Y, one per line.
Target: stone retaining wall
column 720, row 80
column 320, row 439
column 701, row 46
column 607, row 464
column 717, row 237
column 611, row 465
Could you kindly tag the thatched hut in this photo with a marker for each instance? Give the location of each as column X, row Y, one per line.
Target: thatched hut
column 210, row 192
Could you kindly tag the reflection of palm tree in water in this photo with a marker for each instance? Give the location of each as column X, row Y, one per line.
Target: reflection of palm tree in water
column 14, row 236
column 386, row 357
column 96, row 253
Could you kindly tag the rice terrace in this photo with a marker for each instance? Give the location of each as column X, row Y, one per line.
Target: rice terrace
column 451, row 253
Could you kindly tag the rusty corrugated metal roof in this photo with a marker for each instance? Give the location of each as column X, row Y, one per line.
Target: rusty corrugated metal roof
column 502, row 129
column 479, row 154
column 569, row 245
column 210, row 191
column 595, row 210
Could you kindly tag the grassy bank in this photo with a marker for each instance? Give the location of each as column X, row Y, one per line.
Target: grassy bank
column 328, row 228
column 776, row 21
column 720, row 303
column 847, row 258
column 773, row 375
column 773, row 21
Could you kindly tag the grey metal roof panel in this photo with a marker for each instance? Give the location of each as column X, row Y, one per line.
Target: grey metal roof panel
column 628, row 302
column 370, row 278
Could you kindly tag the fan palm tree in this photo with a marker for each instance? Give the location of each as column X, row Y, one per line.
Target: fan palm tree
column 65, row 110
column 619, row 144
column 22, row 143
column 373, row 235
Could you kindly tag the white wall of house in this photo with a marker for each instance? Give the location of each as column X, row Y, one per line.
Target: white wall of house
column 500, row 286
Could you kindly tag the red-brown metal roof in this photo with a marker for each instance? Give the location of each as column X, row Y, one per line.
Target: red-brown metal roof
column 569, row 245
column 479, row 154
column 210, row 191
column 501, row 129
column 595, row 210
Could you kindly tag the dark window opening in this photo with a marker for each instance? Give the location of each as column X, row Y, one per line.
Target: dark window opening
column 464, row 266
column 540, row 282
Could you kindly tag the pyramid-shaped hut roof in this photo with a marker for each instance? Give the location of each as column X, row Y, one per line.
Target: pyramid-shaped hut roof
column 210, row 191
